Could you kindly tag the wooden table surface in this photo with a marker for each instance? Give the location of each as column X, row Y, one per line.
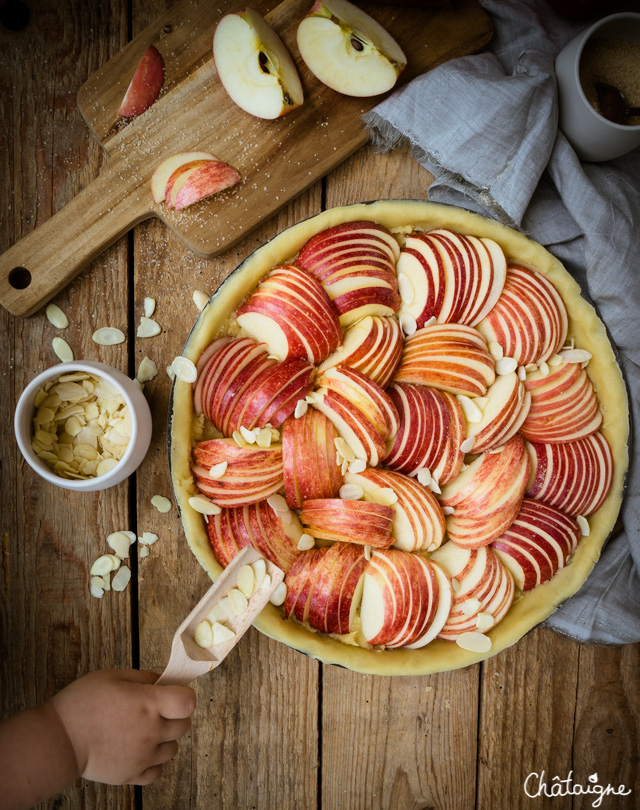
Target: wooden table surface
column 273, row 729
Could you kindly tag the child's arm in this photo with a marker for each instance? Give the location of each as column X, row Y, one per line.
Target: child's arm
column 110, row 726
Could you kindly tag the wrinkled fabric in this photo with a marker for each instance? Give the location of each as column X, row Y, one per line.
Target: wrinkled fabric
column 486, row 127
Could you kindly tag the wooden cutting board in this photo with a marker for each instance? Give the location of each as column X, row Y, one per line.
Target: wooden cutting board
column 277, row 159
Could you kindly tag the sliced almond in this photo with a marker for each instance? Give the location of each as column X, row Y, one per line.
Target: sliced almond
column 161, row 503
column 351, row 492
column 367, row 553
column 108, row 336
column 484, row 622
column 203, row 635
column 171, row 373
column 148, row 538
column 424, row 476
column 506, row 365
column 200, row 299
column 106, row 465
column 221, row 634
column 266, row 583
column 121, row 578
column 246, row 581
column 357, row 466
column 203, row 505
column 131, row 535
column 238, row 600
column 97, row 591
column 279, row 595
column 471, row 411
column 408, row 324
column 217, row 614
column 575, row 355
column 448, row 510
column 434, row 486
column 185, row 369
column 277, row 503
column 522, row 374
column 306, row 542
column 543, row 368
column 583, row 525
column 149, row 307
column 148, row 328
column 344, row 449
column 467, row 444
column 471, row 606
column 259, row 571
column 147, row 370
column 430, row 321
column 384, row 496
column 119, row 542
column 301, row 408
column 263, row 439
column 56, row 316
column 145, row 551
column 455, row 584
column 105, row 564
column 248, row 435
column 496, row 351
column 218, row 470
column 474, row 642
column 237, row 438
column 555, row 360
column 62, row 350
column 405, row 287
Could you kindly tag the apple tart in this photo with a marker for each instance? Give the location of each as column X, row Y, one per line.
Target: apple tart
column 413, row 412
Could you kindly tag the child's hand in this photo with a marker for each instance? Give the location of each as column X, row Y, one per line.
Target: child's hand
column 122, row 727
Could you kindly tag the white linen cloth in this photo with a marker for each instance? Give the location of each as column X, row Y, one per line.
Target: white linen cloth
column 486, row 127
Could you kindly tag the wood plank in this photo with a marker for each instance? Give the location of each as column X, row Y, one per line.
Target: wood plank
column 389, row 742
column 526, row 718
column 52, row 631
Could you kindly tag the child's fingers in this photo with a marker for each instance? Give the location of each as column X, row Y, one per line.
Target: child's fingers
column 174, row 729
column 175, row 702
column 164, row 752
column 148, row 776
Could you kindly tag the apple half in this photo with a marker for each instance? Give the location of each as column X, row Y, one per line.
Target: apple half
column 348, row 50
column 255, row 67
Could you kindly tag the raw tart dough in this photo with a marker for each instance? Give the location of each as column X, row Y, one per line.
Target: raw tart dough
column 585, row 327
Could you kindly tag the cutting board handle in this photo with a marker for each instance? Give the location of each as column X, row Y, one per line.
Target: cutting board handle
column 47, row 259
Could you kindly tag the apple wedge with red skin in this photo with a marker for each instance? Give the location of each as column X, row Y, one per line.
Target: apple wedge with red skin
column 575, row 477
column 452, row 277
column 529, row 321
column 166, row 169
column 355, row 263
column 145, row 85
column 506, row 408
column 252, row 473
column 418, row 521
column 293, row 315
column 373, row 346
column 537, row 544
column 450, row 357
column 405, row 600
column 482, row 586
column 324, row 587
column 255, row 525
column 564, row 407
column 194, row 181
column 430, row 433
column 487, row 495
column 360, row 522
column 309, row 458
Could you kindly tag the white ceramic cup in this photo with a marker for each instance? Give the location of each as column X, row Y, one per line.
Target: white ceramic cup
column 141, row 426
column 593, row 137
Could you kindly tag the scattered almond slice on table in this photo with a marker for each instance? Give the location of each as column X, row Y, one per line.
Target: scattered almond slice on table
column 108, row 336
column 62, row 349
column 148, row 328
column 161, row 503
column 56, row 316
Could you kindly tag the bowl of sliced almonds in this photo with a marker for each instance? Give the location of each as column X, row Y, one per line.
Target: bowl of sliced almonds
column 83, row 426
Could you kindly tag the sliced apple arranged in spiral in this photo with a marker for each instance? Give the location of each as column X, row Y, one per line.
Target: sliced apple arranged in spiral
column 145, row 85
column 450, row 277
column 291, row 313
column 373, row 346
column 362, row 413
column 483, row 589
column 356, row 264
column 348, row 50
column 405, row 600
column 575, row 477
column 451, row 357
column 504, row 410
column 487, row 495
column 243, row 475
column 255, row 67
column 537, row 544
column 529, row 320
column 274, row 535
column 564, row 406
column 418, row 521
column 362, row 522
column 430, row 433
column 309, row 458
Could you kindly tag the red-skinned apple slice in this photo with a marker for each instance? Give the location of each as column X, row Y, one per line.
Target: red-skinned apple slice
column 169, row 165
column 252, row 473
column 336, row 592
column 529, row 321
column 348, row 50
column 309, row 458
column 360, row 522
column 145, row 86
column 487, row 495
column 431, row 431
column 564, row 407
column 198, row 182
column 373, row 346
column 451, row 357
column 575, row 477
column 504, row 412
column 255, row 67
column 418, row 521
column 537, row 544
column 293, row 315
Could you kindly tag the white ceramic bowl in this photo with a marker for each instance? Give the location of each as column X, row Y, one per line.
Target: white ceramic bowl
column 593, row 137
column 141, row 426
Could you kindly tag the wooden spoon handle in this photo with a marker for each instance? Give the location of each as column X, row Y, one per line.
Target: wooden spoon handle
column 47, row 259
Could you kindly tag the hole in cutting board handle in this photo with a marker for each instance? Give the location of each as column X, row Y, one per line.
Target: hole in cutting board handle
column 19, row 278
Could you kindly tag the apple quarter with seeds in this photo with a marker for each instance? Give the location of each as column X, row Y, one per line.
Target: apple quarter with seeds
column 419, row 606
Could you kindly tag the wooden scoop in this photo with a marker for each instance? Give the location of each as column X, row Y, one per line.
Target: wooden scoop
column 188, row 660
column 613, row 104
